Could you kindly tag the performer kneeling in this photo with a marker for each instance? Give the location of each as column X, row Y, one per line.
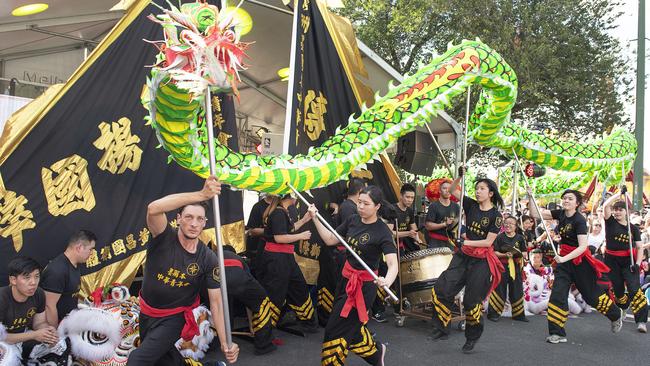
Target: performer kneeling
column 370, row 237
column 617, row 257
column 244, row 288
column 166, row 305
column 509, row 247
column 575, row 264
column 474, row 267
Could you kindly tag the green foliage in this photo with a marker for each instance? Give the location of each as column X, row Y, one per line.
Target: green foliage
column 572, row 75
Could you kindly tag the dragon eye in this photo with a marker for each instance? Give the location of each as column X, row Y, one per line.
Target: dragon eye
column 94, row 338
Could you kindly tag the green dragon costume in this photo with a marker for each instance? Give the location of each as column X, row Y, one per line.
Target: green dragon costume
column 211, row 53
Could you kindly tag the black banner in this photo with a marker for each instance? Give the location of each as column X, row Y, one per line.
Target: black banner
column 91, row 163
column 323, row 99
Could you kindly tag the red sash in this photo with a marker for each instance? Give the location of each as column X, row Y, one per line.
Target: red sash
column 340, row 248
column 496, row 268
column 620, row 253
column 232, row 263
column 278, row 248
column 437, row 236
column 598, row 266
column 356, row 278
column 190, row 329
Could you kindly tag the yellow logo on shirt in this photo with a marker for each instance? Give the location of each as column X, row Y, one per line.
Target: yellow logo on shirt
column 31, row 312
column 192, row 269
column 363, row 239
column 215, row 274
column 485, row 221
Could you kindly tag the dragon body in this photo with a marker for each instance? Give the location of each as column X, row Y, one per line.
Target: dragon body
column 176, row 112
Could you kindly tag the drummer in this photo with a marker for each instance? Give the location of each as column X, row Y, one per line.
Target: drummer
column 442, row 219
column 475, row 266
column 407, row 230
column 369, row 237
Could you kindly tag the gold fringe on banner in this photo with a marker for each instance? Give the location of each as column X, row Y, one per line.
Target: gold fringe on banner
column 231, row 234
column 122, row 272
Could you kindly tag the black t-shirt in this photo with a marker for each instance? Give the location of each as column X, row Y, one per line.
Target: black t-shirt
column 570, row 227
column 347, row 208
column 503, row 243
column 616, row 235
column 16, row 316
column 404, row 220
column 479, row 223
column 173, row 276
column 438, row 213
column 255, row 220
column 530, row 236
column 61, row 277
column 369, row 241
column 278, row 223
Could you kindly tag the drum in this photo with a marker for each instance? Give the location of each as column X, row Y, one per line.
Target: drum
column 419, row 271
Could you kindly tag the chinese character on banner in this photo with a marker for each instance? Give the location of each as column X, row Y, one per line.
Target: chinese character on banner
column 120, row 147
column 14, row 217
column 130, row 242
column 93, row 260
column 315, row 109
column 144, row 236
column 67, row 186
column 118, row 247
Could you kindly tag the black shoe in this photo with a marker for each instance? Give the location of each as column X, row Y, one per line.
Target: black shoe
column 268, row 349
column 439, row 335
column 468, row 347
column 493, row 318
column 522, row 319
column 379, row 318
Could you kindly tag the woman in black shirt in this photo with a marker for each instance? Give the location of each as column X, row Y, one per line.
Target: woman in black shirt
column 575, row 265
column 278, row 271
column 369, row 237
column 510, row 247
column 474, row 267
column 617, row 257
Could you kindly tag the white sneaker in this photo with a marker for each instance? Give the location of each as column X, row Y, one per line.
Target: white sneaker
column 555, row 339
column 617, row 324
column 641, row 328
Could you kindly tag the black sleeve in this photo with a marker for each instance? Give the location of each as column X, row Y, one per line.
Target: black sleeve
column 557, row 214
column 581, row 225
column 278, row 223
column 497, row 220
column 4, row 304
column 211, row 263
column 160, row 238
column 522, row 243
column 431, row 213
column 498, row 242
column 636, row 233
column 54, row 278
column 387, row 243
column 255, row 218
column 469, row 203
column 39, row 296
column 343, row 228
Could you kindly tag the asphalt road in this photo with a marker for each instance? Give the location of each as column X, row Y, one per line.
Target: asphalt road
column 590, row 342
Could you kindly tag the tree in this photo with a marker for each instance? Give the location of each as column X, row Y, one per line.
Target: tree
column 573, row 77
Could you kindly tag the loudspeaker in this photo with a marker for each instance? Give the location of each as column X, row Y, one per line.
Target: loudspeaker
column 416, row 153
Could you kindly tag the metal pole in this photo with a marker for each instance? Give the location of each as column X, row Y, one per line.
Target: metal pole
column 639, row 116
column 462, row 181
column 435, row 142
column 629, row 232
column 217, row 219
column 345, row 244
column 532, row 197
column 515, row 186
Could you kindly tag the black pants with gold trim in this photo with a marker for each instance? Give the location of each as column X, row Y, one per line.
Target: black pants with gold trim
column 514, row 288
column 245, row 289
column 623, row 278
column 326, row 283
column 379, row 305
column 584, row 277
column 283, row 281
column 471, row 273
column 349, row 334
column 158, row 338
